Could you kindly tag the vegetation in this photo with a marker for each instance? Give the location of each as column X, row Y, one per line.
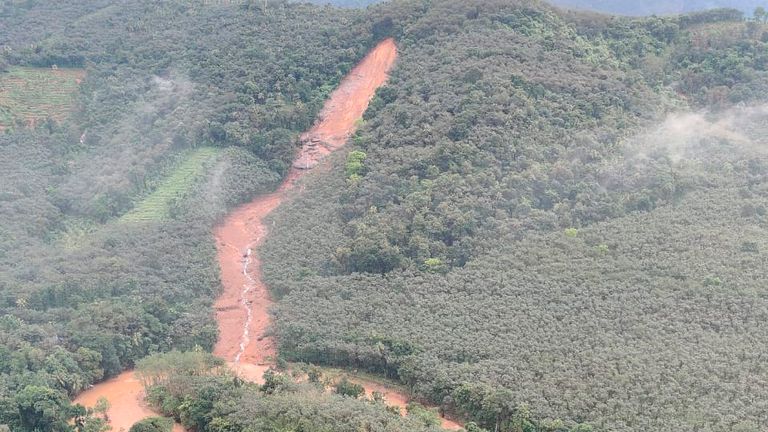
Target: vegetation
column 153, row 424
column 174, row 187
column 32, row 95
column 555, row 224
column 76, row 312
column 213, row 400
column 549, row 220
column 659, row 7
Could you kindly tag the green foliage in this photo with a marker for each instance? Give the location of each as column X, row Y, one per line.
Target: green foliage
column 347, row 388
column 442, row 263
column 42, row 408
column 355, row 167
column 429, row 417
column 29, row 96
column 174, row 188
column 571, row 232
column 435, row 265
column 153, row 424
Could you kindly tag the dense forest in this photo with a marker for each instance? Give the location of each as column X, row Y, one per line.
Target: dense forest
column 548, row 221
column 619, row 7
column 84, row 294
column 344, row 3
column 550, row 210
column 659, row 7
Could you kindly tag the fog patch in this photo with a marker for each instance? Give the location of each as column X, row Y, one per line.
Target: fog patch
column 694, row 136
column 131, row 151
column 688, row 150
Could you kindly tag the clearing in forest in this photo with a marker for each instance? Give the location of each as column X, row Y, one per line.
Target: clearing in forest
column 157, row 205
column 29, row 95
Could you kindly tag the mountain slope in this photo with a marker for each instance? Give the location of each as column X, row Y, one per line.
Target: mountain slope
column 549, row 219
column 659, row 7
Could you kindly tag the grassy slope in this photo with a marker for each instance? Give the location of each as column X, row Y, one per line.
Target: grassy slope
column 32, row 94
column 158, row 204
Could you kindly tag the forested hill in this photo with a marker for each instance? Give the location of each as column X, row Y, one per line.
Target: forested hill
column 660, row 7
column 547, row 215
column 549, row 220
column 619, row 7
column 184, row 110
column 344, row 3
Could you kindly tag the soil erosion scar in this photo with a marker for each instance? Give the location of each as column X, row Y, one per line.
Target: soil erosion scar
column 242, row 310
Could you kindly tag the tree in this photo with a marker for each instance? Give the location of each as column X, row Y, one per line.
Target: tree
column 760, row 14
column 153, row 424
column 346, row 387
column 44, row 409
column 102, row 407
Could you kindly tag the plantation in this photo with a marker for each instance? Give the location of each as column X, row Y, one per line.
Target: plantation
column 547, row 221
column 171, row 190
column 558, row 214
column 29, row 96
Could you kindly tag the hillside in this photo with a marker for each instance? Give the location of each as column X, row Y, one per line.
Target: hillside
column 617, row 7
column 555, row 212
column 82, row 296
column 659, row 7
column 547, row 220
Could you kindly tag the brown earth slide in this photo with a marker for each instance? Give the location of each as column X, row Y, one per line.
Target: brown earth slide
column 242, row 310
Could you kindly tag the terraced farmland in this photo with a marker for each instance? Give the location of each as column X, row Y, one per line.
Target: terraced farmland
column 157, row 205
column 30, row 95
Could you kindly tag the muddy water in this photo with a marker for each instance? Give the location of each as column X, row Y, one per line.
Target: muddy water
column 126, row 397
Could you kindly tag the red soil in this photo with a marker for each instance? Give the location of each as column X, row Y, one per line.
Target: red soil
column 243, row 340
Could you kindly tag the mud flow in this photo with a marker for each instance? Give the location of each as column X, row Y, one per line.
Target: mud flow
column 242, row 310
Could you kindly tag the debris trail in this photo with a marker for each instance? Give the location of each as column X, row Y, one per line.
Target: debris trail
column 242, row 310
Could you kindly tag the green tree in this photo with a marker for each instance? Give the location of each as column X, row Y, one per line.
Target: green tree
column 153, row 424
column 101, row 407
column 346, row 387
column 355, row 167
column 44, row 409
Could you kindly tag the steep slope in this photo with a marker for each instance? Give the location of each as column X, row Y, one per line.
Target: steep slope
column 543, row 200
column 83, row 298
